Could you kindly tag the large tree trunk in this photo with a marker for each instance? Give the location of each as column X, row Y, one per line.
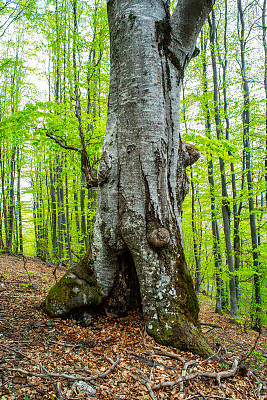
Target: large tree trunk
column 142, row 179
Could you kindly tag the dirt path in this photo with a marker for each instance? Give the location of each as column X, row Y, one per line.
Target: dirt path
column 32, row 342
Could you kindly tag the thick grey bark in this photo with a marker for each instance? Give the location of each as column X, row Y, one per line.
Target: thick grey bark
column 142, row 179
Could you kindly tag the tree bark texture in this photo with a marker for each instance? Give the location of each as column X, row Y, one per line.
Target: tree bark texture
column 142, row 178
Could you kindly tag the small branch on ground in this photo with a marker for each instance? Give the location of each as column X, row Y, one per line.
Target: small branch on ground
column 199, row 374
column 244, row 357
column 49, row 375
column 24, row 266
column 261, row 384
column 211, row 326
column 58, row 266
column 151, row 363
column 55, row 269
column 58, row 391
column 168, row 353
column 208, row 396
column 23, row 355
column 186, row 365
column 142, row 379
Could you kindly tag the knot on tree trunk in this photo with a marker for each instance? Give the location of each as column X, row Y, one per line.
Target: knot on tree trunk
column 158, row 237
column 191, row 154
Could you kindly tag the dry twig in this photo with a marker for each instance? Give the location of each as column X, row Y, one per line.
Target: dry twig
column 186, row 365
column 208, row 396
column 48, row 374
column 213, row 375
column 244, row 357
column 168, row 353
column 58, row 391
column 142, row 379
column 24, row 266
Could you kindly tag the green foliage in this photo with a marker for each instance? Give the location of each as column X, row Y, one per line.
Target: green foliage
column 41, row 100
column 43, row 193
column 230, row 150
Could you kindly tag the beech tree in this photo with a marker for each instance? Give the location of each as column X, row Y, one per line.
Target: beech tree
column 137, row 242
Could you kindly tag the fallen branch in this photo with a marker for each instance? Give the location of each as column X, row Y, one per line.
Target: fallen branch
column 142, row 379
column 186, row 365
column 48, row 374
column 211, row 325
column 58, row 265
column 24, row 356
column 199, row 374
column 24, row 266
column 151, row 363
column 58, row 391
column 261, row 384
column 168, row 353
column 208, row 396
column 244, row 357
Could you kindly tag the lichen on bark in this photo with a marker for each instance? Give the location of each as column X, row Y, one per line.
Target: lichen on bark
column 142, row 177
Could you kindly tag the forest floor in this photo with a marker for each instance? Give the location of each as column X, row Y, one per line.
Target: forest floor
column 44, row 358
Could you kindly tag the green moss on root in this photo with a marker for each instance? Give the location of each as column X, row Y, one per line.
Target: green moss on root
column 72, row 292
column 172, row 329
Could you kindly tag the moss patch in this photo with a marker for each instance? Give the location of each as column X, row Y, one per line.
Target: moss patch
column 172, row 329
column 72, row 292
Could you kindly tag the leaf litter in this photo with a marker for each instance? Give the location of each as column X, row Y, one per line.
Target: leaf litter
column 114, row 359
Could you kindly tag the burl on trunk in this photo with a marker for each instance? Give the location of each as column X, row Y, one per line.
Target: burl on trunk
column 137, row 242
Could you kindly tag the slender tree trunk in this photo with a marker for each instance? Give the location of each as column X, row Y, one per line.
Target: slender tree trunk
column 247, row 149
column 237, row 207
column 76, row 209
column 91, row 201
column 225, row 197
column 20, row 235
column 141, row 176
column 2, row 246
column 11, row 201
column 3, row 208
column 214, row 223
column 68, row 222
column 83, row 217
column 53, row 210
column 196, row 239
column 60, row 211
column 264, row 42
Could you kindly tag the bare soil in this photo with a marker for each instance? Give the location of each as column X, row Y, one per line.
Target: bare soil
column 33, row 347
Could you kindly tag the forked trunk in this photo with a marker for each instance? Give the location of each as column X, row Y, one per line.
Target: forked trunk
column 142, row 179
